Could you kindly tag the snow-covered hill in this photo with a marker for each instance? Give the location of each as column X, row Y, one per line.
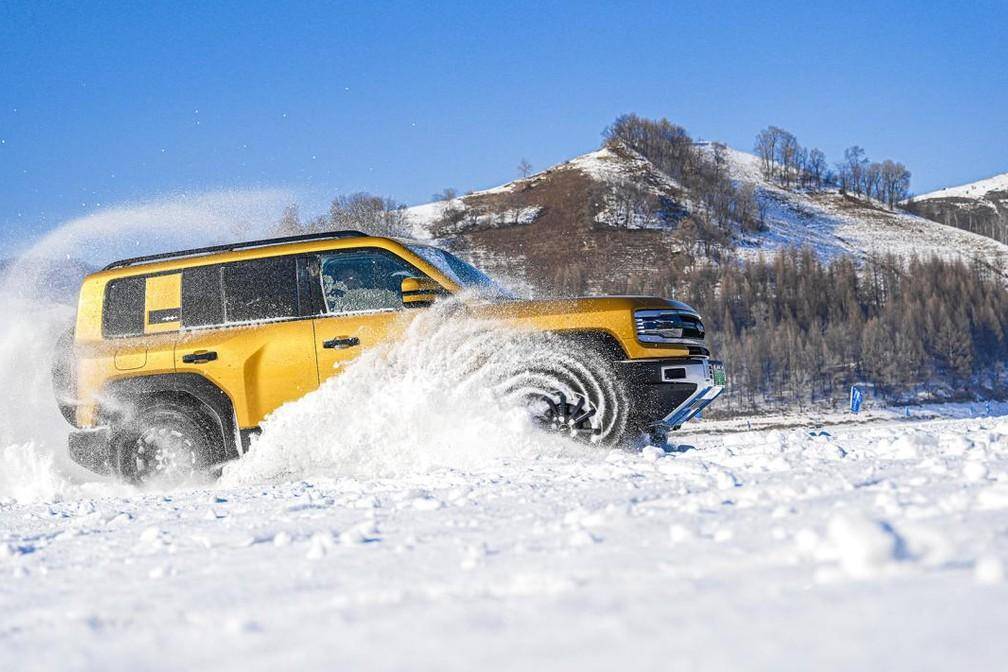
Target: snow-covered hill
column 975, row 190
column 980, row 207
column 493, row 207
column 586, row 204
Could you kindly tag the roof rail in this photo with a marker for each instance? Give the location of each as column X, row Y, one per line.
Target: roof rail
column 327, row 235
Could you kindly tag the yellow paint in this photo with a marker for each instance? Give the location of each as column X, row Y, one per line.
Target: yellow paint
column 259, row 367
column 370, row 329
column 164, row 292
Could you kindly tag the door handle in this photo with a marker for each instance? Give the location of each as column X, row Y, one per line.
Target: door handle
column 341, row 342
column 199, row 357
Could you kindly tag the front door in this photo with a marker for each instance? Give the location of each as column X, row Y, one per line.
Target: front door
column 360, row 304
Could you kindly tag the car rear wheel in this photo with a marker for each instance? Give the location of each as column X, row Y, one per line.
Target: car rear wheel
column 167, row 444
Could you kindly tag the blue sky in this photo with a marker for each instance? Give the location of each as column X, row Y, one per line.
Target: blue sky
column 102, row 104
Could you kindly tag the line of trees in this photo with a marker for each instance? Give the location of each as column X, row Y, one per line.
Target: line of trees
column 796, row 330
column 988, row 219
column 787, row 162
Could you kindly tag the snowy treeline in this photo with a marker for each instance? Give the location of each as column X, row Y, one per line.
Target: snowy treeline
column 796, row 330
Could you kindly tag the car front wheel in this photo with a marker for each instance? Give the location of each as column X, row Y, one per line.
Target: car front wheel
column 574, row 391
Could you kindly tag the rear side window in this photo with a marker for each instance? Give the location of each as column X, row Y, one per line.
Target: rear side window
column 123, row 309
column 260, row 289
column 202, row 298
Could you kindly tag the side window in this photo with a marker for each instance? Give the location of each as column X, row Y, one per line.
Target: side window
column 260, row 289
column 123, row 308
column 202, row 297
column 364, row 280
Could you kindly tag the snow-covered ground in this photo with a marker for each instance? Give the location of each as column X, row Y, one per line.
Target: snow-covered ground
column 878, row 546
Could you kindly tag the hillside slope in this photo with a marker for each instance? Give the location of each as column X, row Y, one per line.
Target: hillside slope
column 571, row 218
column 979, row 207
column 584, row 217
column 837, row 224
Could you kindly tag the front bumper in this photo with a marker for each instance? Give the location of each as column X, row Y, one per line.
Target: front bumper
column 91, row 448
column 671, row 391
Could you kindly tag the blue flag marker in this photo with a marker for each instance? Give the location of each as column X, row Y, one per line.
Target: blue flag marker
column 855, row 400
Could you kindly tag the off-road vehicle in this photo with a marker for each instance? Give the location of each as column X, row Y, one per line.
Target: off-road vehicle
column 176, row 358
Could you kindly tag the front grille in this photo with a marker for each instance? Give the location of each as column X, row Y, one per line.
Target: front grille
column 667, row 326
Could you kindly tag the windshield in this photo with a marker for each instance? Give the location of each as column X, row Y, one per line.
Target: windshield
column 458, row 271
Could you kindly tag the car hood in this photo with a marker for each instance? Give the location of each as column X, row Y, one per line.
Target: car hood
column 582, row 305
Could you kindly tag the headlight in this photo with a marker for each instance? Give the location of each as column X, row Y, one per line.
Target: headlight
column 667, row 326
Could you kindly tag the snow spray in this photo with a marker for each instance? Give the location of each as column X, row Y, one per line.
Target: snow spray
column 33, row 461
column 450, row 394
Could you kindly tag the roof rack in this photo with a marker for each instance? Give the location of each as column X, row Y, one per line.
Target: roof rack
column 234, row 246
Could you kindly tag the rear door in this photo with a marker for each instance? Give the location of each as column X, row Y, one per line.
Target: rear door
column 243, row 329
column 358, row 298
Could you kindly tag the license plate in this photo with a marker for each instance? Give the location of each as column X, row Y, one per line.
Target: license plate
column 718, row 371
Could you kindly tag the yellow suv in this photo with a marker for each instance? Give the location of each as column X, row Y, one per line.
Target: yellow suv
column 176, row 358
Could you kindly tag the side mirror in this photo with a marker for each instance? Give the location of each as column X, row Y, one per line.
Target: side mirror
column 419, row 292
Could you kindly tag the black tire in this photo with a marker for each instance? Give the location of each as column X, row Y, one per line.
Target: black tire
column 575, row 390
column 167, row 443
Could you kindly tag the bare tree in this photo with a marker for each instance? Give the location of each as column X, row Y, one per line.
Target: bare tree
column 290, row 221
column 374, row 214
column 524, row 167
column 787, row 153
column 895, row 182
column 817, row 167
column 766, row 149
column 871, row 178
column 801, row 166
column 720, row 153
column 447, row 194
column 854, row 164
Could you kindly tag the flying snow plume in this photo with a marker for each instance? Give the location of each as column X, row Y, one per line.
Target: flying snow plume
column 33, row 462
column 167, row 223
column 450, row 394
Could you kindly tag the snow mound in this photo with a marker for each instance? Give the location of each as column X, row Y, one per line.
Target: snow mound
column 428, row 401
column 865, row 546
